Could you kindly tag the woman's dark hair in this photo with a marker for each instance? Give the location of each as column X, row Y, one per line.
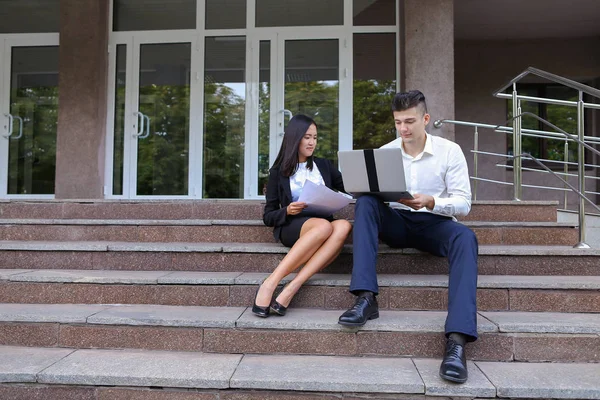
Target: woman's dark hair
column 287, row 160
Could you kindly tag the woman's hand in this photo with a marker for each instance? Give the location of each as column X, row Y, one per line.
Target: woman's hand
column 295, row 208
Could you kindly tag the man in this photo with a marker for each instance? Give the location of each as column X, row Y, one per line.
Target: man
column 436, row 175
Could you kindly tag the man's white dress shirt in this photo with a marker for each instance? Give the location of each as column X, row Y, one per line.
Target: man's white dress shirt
column 440, row 170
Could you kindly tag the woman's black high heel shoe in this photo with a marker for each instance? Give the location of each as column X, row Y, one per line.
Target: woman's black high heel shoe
column 260, row 311
column 276, row 307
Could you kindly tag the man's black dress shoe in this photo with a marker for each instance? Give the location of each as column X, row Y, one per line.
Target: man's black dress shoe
column 454, row 365
column 260, row 311
column 364, row 309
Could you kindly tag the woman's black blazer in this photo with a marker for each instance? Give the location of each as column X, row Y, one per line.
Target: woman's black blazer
column 279, row 193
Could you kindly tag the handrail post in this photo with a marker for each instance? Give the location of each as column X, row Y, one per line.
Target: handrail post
column 566, row 169
column 581, row 172
column 516, row 146
column 476, row 147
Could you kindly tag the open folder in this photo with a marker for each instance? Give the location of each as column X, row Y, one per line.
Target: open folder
column 321, row 200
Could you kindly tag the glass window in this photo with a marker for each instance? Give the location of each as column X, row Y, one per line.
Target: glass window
column 119, row 119
column 225, row 14
column 224, row 113
column 29, row 16
column 147, row 15
column 299, row 12
column 312, row 87
column 374, row 87
column 374, row 12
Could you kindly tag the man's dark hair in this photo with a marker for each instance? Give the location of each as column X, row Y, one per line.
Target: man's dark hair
column 406, row 100
column 287, row 159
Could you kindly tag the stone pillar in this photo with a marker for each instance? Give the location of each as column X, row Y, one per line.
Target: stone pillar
column 429, row 57
column 82, row 84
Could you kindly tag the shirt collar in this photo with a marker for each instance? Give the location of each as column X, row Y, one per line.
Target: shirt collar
column 428, row 149
column 428, row 145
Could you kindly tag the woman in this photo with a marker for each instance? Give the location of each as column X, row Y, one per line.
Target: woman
column 314, row 241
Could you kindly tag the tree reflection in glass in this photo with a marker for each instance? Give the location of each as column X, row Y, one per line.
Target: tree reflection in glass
column 312, row 88
column 374, row 87
column 224, row 114
column 164, row 97
column 34, row 98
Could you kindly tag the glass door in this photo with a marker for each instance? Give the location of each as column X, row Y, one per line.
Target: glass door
column 306, row 80
column 151, row 118
column 311, row 86
column 29, row 111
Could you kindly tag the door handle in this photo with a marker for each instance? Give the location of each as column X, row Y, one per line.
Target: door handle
column 20, row 128
column 140, row 122
column 147, row 118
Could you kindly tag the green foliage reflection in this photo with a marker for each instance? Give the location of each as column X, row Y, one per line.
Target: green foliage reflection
column 320, row 101
column 163, row 156
column 373, row 120
column 32, row 158
column 223, row 167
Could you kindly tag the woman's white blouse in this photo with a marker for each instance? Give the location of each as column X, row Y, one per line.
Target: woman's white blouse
column 302, row 174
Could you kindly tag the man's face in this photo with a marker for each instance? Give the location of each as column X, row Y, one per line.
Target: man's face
column 410, row 124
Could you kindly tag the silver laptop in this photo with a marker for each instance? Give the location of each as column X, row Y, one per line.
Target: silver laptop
column 379, row 172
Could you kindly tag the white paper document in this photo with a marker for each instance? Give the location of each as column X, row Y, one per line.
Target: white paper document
column 321, row 200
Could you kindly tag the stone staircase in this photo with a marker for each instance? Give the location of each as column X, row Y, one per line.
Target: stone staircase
column 132, row 300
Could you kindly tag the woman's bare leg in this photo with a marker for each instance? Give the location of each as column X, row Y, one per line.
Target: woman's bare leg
column 320, row 259
column 314, row 232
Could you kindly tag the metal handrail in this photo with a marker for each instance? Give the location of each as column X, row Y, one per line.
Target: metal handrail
column 548, row 170
column 551, row 77
column 518, row 131
column 581, row 88
column 517, row 165
column 548, row 101
column 541, row 164
column 530, row 132
column 558, row 173
column 568, row 135
column 524, row 185
column 487, row 153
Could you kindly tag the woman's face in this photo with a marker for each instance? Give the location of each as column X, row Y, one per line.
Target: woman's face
column 308, row 143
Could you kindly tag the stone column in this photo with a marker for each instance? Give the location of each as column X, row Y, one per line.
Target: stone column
column 82, row 84
column 429, row 57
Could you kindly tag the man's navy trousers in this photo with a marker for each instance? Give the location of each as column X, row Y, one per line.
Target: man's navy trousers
column 435, row 234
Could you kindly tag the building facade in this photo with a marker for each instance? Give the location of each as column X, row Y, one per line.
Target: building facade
column 156, row 99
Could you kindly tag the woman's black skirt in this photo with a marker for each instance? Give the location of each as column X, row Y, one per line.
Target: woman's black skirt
column 290, row 233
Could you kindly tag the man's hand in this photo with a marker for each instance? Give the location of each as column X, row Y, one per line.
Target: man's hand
column 296, row 208
column 419, row 201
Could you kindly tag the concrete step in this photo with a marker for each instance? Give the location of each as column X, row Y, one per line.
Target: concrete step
column 328, row 291
column 534, row 211
column 264, row 257
column 110, row 374
column 504, row 336
column 254, row 231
